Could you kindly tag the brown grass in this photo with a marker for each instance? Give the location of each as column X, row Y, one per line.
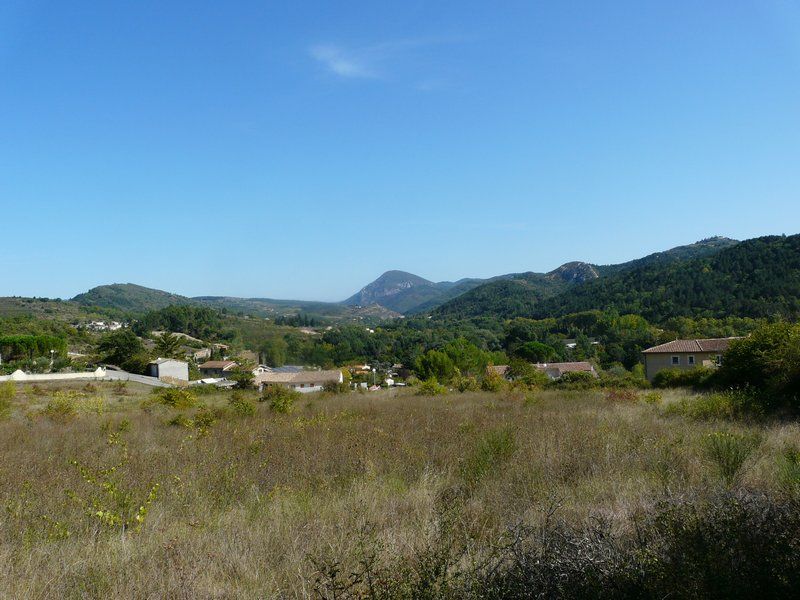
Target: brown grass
column 248, row 505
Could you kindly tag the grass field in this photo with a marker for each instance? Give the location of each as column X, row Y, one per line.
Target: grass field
column 346, row 495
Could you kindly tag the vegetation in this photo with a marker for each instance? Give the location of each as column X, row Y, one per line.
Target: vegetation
column 578, row 494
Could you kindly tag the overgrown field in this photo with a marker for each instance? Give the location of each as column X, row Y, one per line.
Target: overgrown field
column 110, row 492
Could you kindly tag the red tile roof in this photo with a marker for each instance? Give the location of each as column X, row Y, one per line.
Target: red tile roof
column 218, row 364
column 567, row 367
column 705, row 345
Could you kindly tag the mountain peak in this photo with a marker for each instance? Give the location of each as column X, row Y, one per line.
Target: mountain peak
column 574, row 272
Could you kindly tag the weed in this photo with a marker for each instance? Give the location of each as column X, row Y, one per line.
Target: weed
column 728, row 451
column 241, row 406
column 431, row 387
column 491, row 450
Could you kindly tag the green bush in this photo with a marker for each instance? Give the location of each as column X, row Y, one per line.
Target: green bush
column 728, row 451
column 577, row 380
column 178, row 398
column 699, row 378
column 717, row 405
column 241, row 406
column 7, row 392
column 280, row 399
column 466, row 383
column 61, row 408
column 492, row 381
column 653, row 398
column 431, row 387
column 336, row 387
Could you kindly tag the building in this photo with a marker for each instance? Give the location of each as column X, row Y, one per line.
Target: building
column 303, row 381
column 169, row 369
column 685, row 354
column 202, row 354
column 556, row 370
column 217, row 368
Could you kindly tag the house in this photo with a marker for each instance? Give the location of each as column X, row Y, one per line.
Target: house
column 685, row 354
column 303, row 381
column 217, row 368
column 169, row 369
column 198, row 355
column 556, row 370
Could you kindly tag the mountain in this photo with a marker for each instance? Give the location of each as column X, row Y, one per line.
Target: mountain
column 755, row 278
column 129, row 297
column 406, row 293
column 521, row 294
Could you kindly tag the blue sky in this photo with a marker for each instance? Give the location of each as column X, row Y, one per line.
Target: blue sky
column 299, row 149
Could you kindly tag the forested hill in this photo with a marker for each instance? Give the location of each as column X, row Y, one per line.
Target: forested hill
column 522, row 294
column 755, row 278
column 129, row 297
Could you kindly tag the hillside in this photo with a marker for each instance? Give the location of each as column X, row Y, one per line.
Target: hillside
column 521, row 294
column 755, row 278
column 129, row 297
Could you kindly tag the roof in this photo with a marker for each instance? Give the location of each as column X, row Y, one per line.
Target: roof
column 161, row 361
column 316, row 377
column 704, row 345
column 567, row 367
column 218, row 364
column 499, row 369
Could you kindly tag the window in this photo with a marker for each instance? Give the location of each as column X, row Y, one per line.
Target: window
column 691, row 360
column 719, row 359
column 676, row 360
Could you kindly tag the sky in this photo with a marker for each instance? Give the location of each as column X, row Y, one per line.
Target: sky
column 299, row 149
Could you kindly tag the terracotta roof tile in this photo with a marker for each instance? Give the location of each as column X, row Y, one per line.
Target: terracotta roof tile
column 702, row 345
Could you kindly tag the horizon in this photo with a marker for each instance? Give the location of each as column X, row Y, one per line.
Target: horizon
column 297, row 152
column 375, row 278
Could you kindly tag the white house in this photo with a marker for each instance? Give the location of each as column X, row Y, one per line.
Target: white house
column 303, row 381
column 167, row 369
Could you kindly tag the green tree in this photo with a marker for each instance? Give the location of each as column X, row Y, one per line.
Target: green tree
column 118, row 347
column 437, row 365
column 168, row 345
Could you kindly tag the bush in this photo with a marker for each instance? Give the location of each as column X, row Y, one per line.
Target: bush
column 241, row 406
column 718, row 405
column 431, row 387
column 466, row 383
column 698, row 378
column 653, row 398
column 61, row 408
column 281, row 399
column 729, row 451
column 492, row 381
column 733, row 545
column 335, row 387
column 178, row 398
column 577, row 380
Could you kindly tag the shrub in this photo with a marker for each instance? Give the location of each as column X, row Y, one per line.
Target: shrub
column 492, row 381
column 698, row 378
column 729, row 451
column 466, row 383
column 576, row 380
column 281, row 399
column 178, row 398
column 336, row 387
column 241, row 406
column 653, row 398
column 61, row 408
column 719, row 405
column 431, row 387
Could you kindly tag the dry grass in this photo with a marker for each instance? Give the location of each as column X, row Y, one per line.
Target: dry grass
column 248, row 505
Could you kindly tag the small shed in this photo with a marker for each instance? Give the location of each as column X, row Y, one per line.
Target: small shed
column 167, row 369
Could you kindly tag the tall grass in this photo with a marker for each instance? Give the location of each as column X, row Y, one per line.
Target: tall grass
column 388, row 493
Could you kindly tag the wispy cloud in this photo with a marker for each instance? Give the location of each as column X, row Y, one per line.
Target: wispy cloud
column 374, row 61
column 341, row 62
